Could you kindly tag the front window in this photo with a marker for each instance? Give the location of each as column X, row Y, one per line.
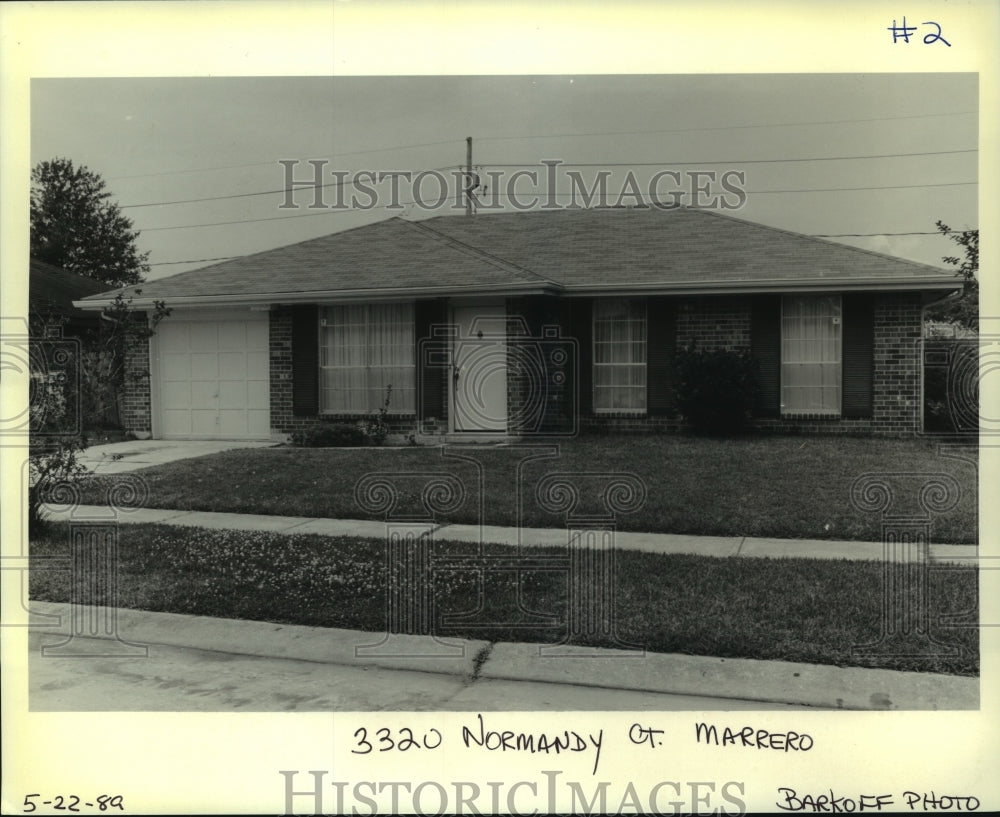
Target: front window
column 810, row 354
column 619, row 355
column 364, row 349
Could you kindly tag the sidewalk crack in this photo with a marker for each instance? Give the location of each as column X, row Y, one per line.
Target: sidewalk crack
column 739, row 547
column 479, row 661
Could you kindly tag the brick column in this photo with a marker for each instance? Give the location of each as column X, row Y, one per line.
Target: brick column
column 137, row 411
column 897, row 363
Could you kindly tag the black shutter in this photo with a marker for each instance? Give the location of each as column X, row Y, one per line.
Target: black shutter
column 661, row 347
column 432, row 358
column 765, row 346
column 305, row 360
column 859, row 356
column 581, row 329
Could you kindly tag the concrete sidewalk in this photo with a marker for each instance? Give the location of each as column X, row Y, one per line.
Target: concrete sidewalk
column 123, row 457
column 722, row 546
column 476, row 670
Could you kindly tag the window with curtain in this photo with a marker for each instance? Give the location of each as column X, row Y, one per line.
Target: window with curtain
column 364, row 349
column 810, row 354
column 619, row 354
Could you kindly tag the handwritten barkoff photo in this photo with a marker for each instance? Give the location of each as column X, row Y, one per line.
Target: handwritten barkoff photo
column 505, row 393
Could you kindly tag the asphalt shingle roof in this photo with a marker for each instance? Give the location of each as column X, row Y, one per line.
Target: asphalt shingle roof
column 53, row 289
column 559, row 250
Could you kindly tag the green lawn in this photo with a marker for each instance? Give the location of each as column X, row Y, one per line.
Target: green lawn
column 789, row 609
column 791, row 487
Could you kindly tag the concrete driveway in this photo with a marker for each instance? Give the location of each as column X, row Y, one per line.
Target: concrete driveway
column 119, row 458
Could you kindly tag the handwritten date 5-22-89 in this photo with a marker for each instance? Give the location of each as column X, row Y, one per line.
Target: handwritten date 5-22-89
column 72, row 802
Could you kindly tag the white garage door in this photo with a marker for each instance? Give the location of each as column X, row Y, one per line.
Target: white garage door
column 212, row 378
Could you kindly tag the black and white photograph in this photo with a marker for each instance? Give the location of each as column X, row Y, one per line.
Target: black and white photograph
column 617, row 436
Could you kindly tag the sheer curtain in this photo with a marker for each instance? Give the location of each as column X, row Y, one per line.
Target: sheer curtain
column 363, row 350
column 619, row 354
column 810, row 354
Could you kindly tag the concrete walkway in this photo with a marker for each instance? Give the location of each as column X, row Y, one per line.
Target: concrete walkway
column 745, row 546
column 273, row 667
column 120, row 458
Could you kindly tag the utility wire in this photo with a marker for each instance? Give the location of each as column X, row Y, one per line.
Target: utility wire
column 341, row 182
column 720, row 127
column 670, row 163
column 271, row 164
column 304, row 185
column 487, row 196
column 557, row 136
column 194, row 261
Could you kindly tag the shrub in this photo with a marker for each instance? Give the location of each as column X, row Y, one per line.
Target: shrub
column 375, row 426
column 716, row 389
column 370, row 430
column 323, row 434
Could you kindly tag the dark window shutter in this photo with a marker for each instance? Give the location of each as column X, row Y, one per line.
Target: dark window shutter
column 859, row 356
column 305, row 360
column 765, row 346
column 432, row 358
column 661, row 347
column 582, row 330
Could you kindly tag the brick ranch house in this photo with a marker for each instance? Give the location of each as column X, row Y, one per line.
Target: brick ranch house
column 513, row 323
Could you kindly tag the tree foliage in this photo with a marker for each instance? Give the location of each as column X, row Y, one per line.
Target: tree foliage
column 963, row 310
column 76, row 226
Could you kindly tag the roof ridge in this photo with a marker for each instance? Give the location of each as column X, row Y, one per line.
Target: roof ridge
column 812, row 238
column 494, row 260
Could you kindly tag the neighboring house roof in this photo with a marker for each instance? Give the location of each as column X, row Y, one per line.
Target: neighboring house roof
column 586, row 251
column 53, row 289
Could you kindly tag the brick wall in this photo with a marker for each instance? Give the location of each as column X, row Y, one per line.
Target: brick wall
column 713, row 323
column 280, row 359
column 898, row 365
column 725, row 322
column 540, row 359
column 137, row 405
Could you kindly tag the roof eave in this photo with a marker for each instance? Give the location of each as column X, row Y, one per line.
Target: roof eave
column 519, row 288
column 761, row 287
column 314, row 296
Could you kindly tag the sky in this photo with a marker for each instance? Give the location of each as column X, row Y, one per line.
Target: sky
column 161, row 140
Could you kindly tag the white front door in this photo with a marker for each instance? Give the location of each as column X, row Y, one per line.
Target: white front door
column 479, row 368
column 212, row 378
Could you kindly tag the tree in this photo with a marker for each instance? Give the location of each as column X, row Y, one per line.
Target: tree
column 963, row 310
column 71, row 385
column 74, row 225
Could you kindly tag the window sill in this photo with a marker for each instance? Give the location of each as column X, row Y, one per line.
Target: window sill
column 810, row 415
column 363, row 415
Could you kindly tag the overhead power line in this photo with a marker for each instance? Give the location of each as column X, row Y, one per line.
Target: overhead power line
column 352, row 182
column 558, row 136
column 305, row 185
column 671, row 163
column 332, row 211
column 271, row 164
column 719, row 127
column 194, row 261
